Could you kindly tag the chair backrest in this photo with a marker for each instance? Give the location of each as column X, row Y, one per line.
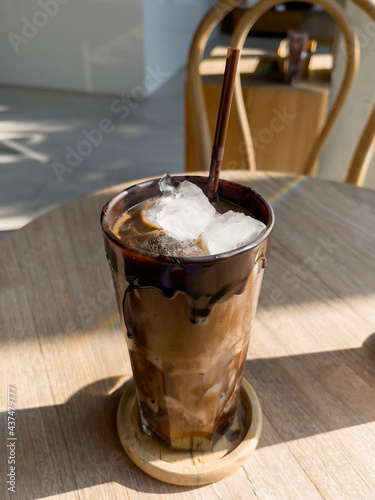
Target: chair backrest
column 366, row 145
column 195, row 93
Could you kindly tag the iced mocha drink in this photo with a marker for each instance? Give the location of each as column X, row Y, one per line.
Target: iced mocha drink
column 187, row 275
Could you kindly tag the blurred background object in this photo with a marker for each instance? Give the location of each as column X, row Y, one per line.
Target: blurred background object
column 92, row 93
column 307, row 121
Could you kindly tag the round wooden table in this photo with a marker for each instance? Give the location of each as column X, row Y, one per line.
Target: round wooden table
column 64, row 360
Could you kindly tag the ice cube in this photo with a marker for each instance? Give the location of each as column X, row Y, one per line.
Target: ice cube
column 150, row 212
column 167, row 185
column 184, row 215
column 230, row 231
column 161, row 243
column 191, row 249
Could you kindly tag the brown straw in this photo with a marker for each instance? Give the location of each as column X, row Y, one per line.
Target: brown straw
column 222, row 121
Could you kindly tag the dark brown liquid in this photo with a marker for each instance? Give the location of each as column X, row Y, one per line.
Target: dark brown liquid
column 187, row 321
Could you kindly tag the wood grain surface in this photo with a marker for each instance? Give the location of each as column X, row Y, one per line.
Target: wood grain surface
column 311, row 359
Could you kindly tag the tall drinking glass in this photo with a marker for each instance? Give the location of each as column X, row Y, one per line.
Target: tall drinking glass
column 187, row 320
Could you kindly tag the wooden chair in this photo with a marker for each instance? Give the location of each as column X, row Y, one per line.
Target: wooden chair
column 195, row 98
column 366, row 146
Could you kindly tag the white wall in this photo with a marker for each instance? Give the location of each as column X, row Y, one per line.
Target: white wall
column 169, row 27
column 108, row 46
column 85, row 45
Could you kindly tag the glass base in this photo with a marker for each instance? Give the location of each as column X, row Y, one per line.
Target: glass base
column 186, row 466
column 194, row 443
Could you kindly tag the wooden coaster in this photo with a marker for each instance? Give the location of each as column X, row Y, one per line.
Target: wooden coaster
column 185, row 467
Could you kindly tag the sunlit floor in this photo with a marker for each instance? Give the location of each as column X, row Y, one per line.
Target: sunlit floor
column 59, row 146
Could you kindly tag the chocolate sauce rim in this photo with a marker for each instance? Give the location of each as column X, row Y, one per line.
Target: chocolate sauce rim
column 186, row 260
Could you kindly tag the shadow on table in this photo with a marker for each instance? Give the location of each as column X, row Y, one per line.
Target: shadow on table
column 301, row 396
column 310, row 394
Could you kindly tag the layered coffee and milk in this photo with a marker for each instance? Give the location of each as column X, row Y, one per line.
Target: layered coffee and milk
column 187, row 279
column 183, row 223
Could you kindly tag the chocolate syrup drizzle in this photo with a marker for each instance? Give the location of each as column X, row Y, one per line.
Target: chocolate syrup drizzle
column 204, row 280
